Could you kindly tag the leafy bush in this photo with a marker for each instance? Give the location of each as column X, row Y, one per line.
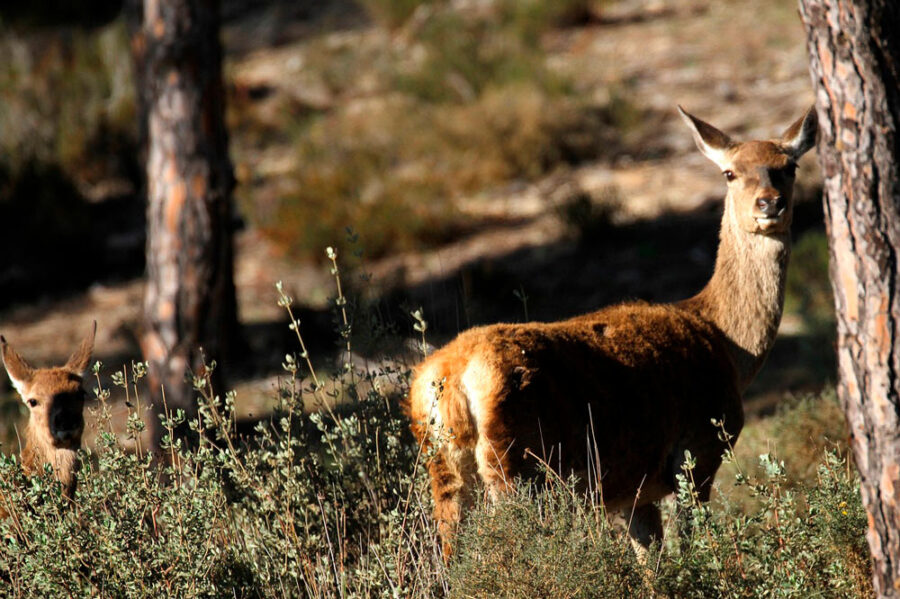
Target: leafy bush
column 69, row 129
column 310, row 505
column 551, row 541
column 464, row 56
column 530, row 17
column 794, row 544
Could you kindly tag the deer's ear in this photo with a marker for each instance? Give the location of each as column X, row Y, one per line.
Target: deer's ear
column 78, row 362
column 19, row 371
column 801, row 136
column 713, row 143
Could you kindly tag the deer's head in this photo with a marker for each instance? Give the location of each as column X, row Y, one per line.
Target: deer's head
column 54, row 396
column 760, row 174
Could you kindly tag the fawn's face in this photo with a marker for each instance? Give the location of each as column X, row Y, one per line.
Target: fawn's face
column 54, row 396
column 55, row 401
column 760, row 174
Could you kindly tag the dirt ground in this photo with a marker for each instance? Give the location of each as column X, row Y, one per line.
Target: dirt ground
column 716, row 59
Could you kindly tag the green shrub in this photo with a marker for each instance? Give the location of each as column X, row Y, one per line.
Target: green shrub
column 344, row 179
column 807, row 543
column 549, row 541
column 69, row 129
column 311, row 505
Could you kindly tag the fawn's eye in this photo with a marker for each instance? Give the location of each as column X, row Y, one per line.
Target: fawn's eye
column 32, row 403
column 729, row 175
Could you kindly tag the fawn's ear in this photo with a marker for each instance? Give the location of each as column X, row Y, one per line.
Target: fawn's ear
column 801, row 136
column 20, row 372
column 78, row 362
column 713, row 143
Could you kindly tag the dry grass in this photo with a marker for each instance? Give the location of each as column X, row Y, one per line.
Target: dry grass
column 462, row 103
column 392, row 168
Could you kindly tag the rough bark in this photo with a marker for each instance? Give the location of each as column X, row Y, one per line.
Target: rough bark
column 854, row 51
column 190, row 298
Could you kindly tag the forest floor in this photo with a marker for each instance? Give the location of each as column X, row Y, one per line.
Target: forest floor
column 716, row 59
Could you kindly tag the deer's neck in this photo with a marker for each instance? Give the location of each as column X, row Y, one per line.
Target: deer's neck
column 745, row 296
column 64, row 461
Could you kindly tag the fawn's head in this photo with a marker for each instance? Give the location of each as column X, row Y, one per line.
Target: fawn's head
column 760, row 174
column 54, row 396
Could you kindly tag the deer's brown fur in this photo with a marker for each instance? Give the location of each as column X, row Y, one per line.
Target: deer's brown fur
column 623, row 392
column 55, row 399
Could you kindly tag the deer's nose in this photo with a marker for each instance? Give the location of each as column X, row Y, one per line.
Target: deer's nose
column 770, row 204
column 66, row 428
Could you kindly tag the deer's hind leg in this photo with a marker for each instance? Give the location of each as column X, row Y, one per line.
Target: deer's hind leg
column 494, row 468
column 453, row 477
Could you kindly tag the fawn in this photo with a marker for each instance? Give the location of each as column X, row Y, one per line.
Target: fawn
column 55, row 400
column 623, row 392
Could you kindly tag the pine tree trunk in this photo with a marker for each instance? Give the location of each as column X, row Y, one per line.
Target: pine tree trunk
column 190, row 298
column 854, row 50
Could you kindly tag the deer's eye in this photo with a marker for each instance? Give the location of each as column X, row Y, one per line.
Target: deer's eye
column 729, row 175
column 32, row 403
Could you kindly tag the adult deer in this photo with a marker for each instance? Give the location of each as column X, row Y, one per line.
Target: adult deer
column 55, row 400
column 622, row 392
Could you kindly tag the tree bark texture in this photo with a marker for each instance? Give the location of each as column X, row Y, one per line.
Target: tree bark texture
column 854, row 51
column 190, row 297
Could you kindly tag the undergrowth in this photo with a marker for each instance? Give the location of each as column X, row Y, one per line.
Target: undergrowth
column 795, row 541
column 335, row 503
